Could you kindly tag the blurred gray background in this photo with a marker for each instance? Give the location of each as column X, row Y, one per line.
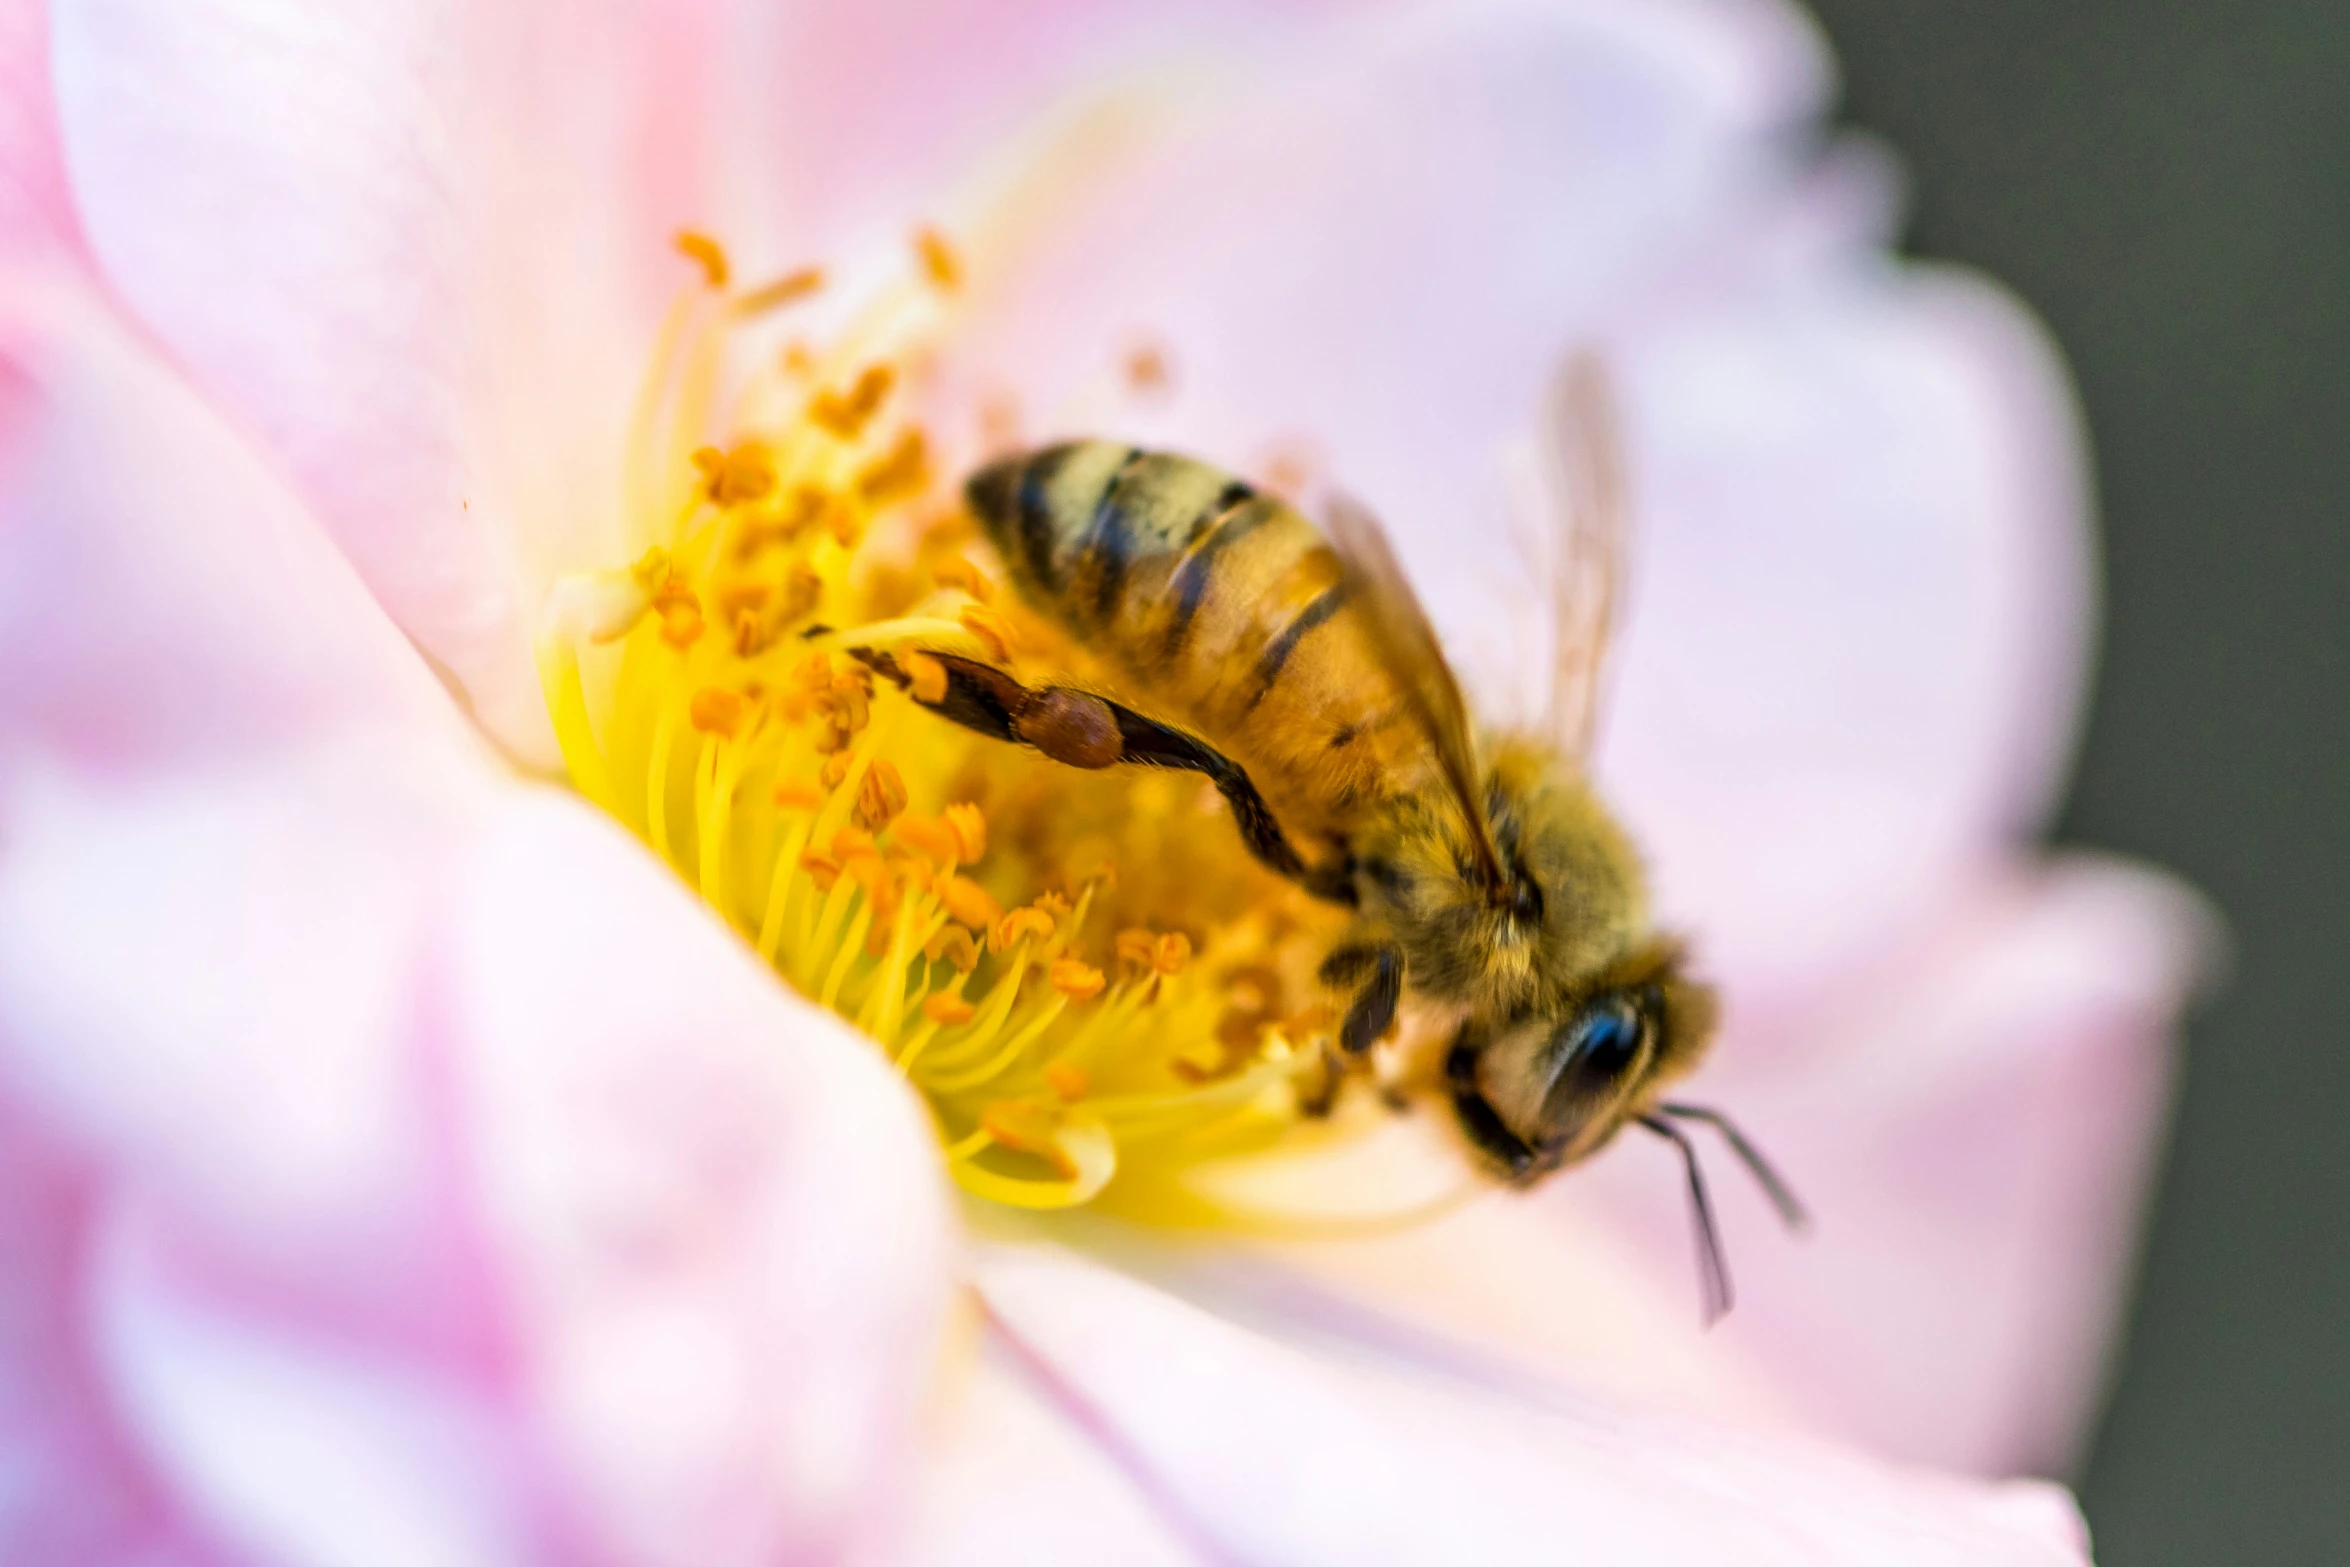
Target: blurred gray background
column 2168, row 183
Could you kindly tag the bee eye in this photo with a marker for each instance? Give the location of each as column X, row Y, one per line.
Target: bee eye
column 1591, row 1052
column 1604, row 1038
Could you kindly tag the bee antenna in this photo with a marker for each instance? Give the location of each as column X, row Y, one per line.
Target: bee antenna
column 1713, row 1272
column 1791, row 1210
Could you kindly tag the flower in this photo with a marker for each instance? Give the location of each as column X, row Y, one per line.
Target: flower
column 397, row 1163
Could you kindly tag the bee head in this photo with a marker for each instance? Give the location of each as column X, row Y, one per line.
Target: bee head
column 1550, row 1086
column 1547, row 1090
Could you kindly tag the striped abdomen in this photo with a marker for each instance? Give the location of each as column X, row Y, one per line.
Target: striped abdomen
column 1222, row 608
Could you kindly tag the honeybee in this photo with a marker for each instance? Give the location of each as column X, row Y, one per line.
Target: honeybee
column 1295, row 668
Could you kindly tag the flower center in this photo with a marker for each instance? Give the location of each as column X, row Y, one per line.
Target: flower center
column 1086, row 1007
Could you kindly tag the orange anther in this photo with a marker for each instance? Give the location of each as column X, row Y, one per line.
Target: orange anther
column 651, row 569
column 850, row 842
column 927, row 836
column 898, row 474
column 1147, row 367
column 835, row 770
column 999, row 422
column 822, row 869
column 796, row 795
column 1138, row 947
column 1078, row 981
column 782, row 291
column 707, row 252
column 881, row 796
column 1067, row 1080
column 955, row 945
column 989, row 627
column 736, row 597
column 970, row 827
column 1051, row 904
column 715, row 711
column 1029, row 1126
column 956, row 572
column 969, row 902
column 1201, row 1060
column 947, row 1009
column 881, row 888
column 802, row 591
column 681, row 622
column 940, row 263
column 738, row 477
column 1174, row 952
column 845, row 414
column 1018, row 925
column 843, row 521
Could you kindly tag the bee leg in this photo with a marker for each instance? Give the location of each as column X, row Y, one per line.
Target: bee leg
column 1318, row 1100
column 1373, row 1008
column 1080, row 729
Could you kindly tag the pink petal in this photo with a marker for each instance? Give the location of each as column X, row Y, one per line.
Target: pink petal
column 419, row 251
column 36, row 208
column 1973, row 1122
column 716, row 1211
column 1269, row 1454
column 1861, row 614
column 274, row 190
column 1383, row 240
column 163, row 596
column 413, row 1125
column 74, row 1494
column 1015, row 1479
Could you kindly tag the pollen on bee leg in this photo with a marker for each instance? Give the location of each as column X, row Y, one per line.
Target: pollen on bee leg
column 926, row 678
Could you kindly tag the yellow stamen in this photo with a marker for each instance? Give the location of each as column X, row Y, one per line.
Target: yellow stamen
column 950, row 895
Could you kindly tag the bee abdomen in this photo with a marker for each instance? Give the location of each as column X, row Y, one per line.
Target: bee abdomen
column 1113, row 540
column 1223, row 610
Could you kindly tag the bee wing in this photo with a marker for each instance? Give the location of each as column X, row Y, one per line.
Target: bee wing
column 1407, row 646
column 1583, row 464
